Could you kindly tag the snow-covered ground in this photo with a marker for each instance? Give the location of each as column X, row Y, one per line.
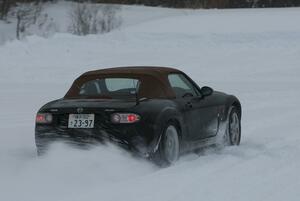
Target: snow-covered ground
column 253, row 54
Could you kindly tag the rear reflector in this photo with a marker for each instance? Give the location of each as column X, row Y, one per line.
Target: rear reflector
column 124, row 118
column 43, row 118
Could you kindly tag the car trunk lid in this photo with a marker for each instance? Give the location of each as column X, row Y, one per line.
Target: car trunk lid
column 88, row 105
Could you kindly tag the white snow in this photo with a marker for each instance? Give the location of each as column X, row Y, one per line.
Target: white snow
column 252, row 53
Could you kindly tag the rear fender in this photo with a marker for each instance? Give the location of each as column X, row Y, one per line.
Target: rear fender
column 167, row 115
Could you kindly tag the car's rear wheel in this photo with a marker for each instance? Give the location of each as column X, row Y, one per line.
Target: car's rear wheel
column 168, row 150
column 233, row 133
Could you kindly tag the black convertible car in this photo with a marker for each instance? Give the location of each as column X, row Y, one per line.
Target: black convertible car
column 157, row 112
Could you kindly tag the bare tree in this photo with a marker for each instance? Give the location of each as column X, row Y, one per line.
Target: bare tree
column 27, row 15
column 83, row 18
column 5, row 6
column 109, row 18
column 92, row 19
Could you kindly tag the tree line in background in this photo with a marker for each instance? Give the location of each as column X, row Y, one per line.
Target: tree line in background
column 5, row 5
column 208, row 3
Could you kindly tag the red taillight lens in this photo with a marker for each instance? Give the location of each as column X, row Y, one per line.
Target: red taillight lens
column 43, row 118
column 124, row 118
column 132, row 118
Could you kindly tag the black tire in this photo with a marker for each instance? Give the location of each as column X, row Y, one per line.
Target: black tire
column 233, row 131
column 169, row 147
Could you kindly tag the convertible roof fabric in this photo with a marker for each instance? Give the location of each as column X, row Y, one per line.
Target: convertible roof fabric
column 154, row 80
column 138, row 70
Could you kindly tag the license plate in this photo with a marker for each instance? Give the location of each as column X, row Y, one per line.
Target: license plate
column 81, row 120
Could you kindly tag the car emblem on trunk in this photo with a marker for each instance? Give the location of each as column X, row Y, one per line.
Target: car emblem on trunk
column 80, row 110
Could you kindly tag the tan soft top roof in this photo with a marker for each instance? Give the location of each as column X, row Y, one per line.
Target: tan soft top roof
column 154, row 79
column 138, row 70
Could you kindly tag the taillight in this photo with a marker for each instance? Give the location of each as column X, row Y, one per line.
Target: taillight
column 43, row 118
column 124, row 118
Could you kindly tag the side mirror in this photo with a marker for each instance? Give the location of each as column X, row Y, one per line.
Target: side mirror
column 206, row 91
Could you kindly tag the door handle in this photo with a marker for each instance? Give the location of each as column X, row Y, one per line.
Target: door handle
column 189, row 105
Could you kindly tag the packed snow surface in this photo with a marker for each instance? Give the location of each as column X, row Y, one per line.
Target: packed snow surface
column 254, row 54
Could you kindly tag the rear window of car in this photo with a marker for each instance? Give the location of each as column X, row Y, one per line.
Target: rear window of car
column 115, row 88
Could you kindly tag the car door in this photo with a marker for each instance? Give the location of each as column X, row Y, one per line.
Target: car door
column 206, row 113
column 200, row 113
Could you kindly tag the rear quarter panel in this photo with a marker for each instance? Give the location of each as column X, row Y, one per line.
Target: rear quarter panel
column 156, row 113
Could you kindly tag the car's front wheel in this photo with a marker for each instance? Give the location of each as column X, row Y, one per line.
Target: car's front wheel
column 233, row 133
column 168, row 150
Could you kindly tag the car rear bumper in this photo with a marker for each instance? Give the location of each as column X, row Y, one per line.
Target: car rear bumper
column 86, row 138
